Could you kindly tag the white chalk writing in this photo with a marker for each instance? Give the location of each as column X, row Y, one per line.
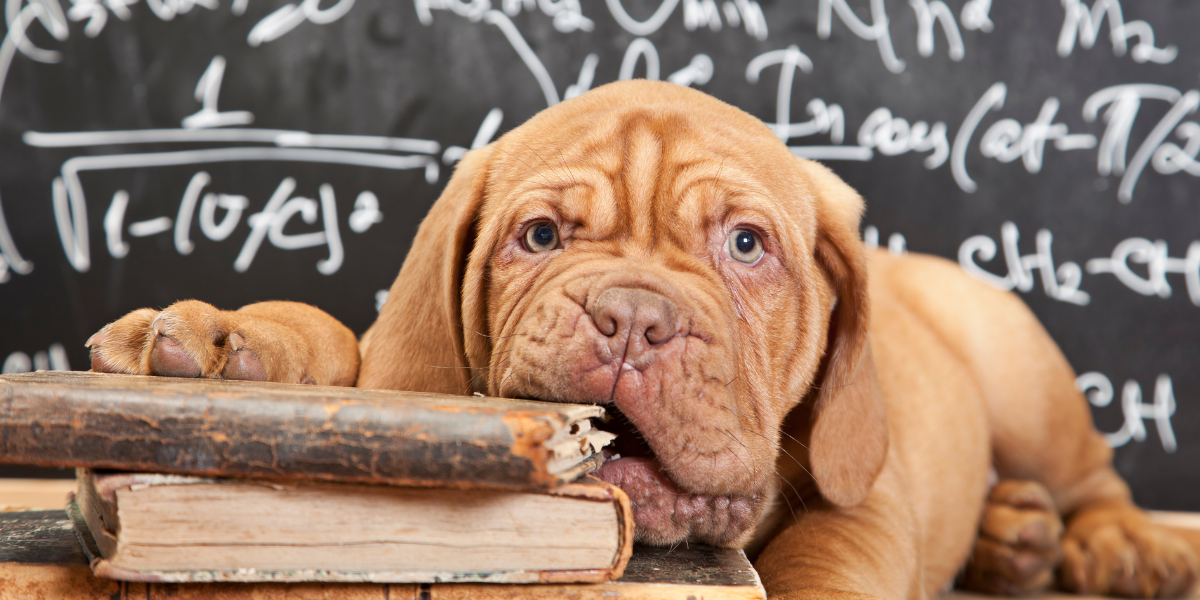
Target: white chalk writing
column 1006, row 140
column 825, row 118
column 1124, row 101
column 1158, row 262
column 1084, row 25
column 1061, row 283
column 52, row 359
column 290, row 16
column 893, row 136
column 975, row 15
column 877, row 31
column 897, row 245
column 207, row 91
column 1099, row 392
column 69, row 205
column 927, row 14
column 696, row 14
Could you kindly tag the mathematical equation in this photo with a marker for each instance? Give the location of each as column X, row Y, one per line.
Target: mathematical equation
column 882, row 132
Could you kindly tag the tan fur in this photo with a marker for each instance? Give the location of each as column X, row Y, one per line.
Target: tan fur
column 292, row 342
column 839, row 426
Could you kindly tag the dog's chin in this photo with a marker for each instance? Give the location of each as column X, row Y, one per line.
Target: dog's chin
column 663, row 512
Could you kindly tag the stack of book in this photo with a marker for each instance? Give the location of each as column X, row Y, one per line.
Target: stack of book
column 188, row 480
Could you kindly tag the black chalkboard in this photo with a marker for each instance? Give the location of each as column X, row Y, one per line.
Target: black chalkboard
column 1047, row 146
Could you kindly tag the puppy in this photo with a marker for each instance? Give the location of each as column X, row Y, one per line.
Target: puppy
column 649, row 248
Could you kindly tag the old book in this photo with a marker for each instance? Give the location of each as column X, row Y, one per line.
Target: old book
column 154, row 527
column 271, row 430
column 40, row 558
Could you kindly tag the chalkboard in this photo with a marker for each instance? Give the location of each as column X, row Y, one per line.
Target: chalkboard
column 245, row 150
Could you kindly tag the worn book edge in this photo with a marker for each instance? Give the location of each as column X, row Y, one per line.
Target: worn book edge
column 96, row 541
column 554, row 442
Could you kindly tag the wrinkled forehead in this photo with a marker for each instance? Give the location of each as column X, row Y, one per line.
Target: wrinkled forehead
column 645, row 160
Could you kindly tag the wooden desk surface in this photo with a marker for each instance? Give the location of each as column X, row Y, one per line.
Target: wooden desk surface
column 50, row 494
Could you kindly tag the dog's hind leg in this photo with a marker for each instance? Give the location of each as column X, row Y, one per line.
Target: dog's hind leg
column 1041, row 430
column 285, row 342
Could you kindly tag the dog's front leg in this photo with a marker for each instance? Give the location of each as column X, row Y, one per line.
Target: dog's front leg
column 866, row 551
column 284, row 342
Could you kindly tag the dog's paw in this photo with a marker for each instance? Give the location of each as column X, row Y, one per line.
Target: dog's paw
column 1117, row 551
column 283, row 342
column 1018, row 544
column 195, row 339
column 187, row 339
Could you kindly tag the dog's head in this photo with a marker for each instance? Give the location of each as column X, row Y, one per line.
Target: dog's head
column 650, row 248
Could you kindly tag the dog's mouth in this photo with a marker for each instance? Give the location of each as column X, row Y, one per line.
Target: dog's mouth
column 665, row 513
column 629, row 443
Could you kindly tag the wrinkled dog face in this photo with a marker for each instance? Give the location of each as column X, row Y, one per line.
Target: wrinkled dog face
column 654, row 254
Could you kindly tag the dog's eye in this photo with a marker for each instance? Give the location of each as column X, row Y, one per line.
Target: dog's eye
column 744, row 246
column 541, row 237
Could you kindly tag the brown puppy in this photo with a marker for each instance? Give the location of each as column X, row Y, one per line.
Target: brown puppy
column 647, row 247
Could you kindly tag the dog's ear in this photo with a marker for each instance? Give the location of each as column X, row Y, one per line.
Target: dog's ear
column 418, row 343
column 848, row 441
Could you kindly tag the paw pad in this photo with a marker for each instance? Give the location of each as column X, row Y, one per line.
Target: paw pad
column 169, row 359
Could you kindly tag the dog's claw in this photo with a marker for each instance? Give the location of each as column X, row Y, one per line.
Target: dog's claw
column 97, row 338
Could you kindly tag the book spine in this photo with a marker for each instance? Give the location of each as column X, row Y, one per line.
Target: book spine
column 207, row 430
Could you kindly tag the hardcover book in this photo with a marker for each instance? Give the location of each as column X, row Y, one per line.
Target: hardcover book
column 40, row 558
column 282, row 431
column 179, row 528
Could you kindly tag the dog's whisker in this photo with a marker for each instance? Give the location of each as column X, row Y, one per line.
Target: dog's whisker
column 491, row 337
column 505, row 379
column 759, row 421
column 754, row 471
column 774, row 472
column 795, row 518
column 548, row 165
column 533, row 171
column 483, row 371
column 780, row 448
column 562, row 159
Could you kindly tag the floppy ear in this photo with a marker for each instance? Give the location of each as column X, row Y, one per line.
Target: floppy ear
column 417, row 343
column 848, row 441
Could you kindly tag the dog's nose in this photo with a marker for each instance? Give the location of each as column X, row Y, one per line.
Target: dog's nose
column 640, row 312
